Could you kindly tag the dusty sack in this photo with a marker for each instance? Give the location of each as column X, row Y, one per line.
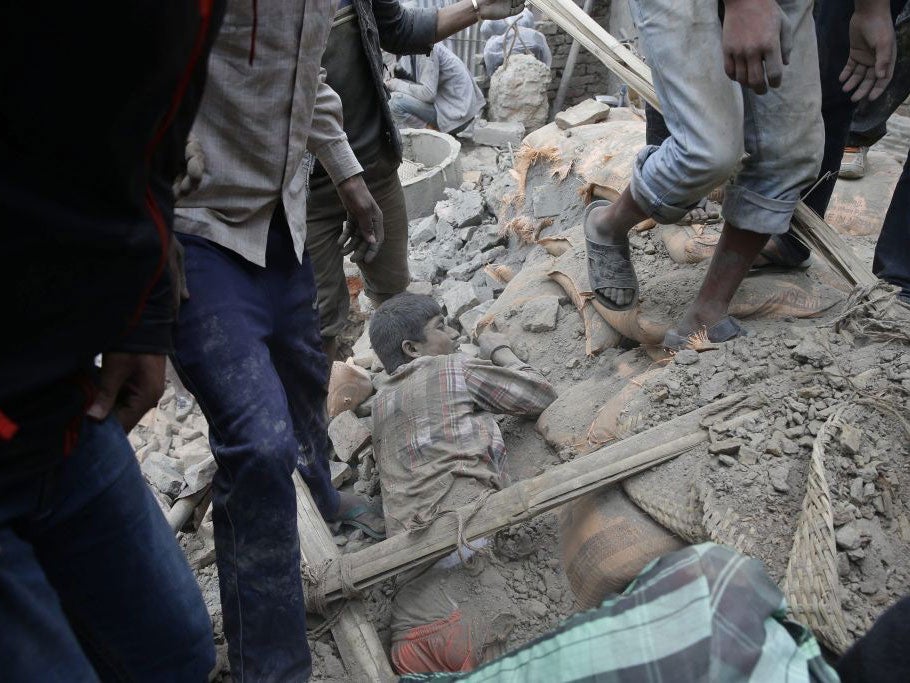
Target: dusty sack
column 688, row 244
column 605, row 542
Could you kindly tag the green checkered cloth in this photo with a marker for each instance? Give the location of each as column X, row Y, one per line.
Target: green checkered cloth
column 704, row 613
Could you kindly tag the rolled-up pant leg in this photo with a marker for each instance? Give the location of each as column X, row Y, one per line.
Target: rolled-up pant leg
column 784, row 137
column 224, row 354
column 702, row 108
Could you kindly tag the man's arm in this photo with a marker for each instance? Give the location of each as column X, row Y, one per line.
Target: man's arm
column 508, row 386
column 329, row 143
column 414, row 30
column 873, row 50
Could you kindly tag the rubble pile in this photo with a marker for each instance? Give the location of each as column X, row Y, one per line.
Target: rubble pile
column 507, row 249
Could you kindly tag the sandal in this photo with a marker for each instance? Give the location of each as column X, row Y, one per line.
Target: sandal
column 350, row 518
column 725, row 329
column 610, row 266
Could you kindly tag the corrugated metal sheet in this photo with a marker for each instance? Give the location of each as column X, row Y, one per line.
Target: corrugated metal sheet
column 467, row 44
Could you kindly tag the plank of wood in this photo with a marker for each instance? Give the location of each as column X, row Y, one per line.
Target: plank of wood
column 357, row 641
column 806, row 224
column 532, row 497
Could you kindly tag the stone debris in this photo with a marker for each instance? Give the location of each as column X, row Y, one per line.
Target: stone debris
column 482, row 272
column 349, row 435
column 583, row 113
column 498, row 133
column 162, row 472
column 540, row 314
column 459, row 298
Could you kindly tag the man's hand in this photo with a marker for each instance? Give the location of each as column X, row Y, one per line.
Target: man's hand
column 499, row 9
column 362, row 233
column 490, row 342
column 131, row 384
column 873, row 51
column 757, row 41
column 190, row 179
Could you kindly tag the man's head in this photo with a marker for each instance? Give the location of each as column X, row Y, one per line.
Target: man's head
column 408, row 326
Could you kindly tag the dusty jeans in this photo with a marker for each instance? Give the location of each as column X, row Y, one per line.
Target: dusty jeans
column 248, row 348
column 388, row 274
column 713, row 120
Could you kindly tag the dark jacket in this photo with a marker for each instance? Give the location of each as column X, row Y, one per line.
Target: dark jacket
column 386, row 25
column 97, row 103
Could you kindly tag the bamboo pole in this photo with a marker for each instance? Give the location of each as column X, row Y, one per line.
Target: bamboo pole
column 806, row 224
column 532, row 497
column 359, row 646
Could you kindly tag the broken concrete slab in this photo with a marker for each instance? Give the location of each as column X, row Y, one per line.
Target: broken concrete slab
column 850, row 438
column 459, row 298
column 161, row 472
column 424, row 231
column 468, row 208
column 548, row 200
column 340, row 472
column 583, row 113
column 498, row 133
column 540, row 314
column 349, row 435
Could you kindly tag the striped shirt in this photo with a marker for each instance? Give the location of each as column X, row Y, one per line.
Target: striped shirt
column 436, row 442
column 704, row 613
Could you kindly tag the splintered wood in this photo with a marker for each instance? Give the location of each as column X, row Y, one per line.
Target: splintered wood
column 806, row 224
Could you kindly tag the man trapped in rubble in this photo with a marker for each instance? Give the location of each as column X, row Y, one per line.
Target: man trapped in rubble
column 438, row 447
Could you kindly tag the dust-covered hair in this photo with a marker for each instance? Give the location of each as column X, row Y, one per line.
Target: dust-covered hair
column 399, row 319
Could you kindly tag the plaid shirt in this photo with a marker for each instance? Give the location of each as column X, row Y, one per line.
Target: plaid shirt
column 704, row 613
column 436, row 442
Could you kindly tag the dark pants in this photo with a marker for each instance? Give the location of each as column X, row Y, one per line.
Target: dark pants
column 248, row 347
column 92, row 583
column 881, row 655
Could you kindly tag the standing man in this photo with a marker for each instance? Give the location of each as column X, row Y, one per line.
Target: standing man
column 248, row 344
column 717, row 107
column 361, row 29
column 92, row 583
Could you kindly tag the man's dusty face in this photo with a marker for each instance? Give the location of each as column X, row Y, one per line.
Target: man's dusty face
column 439, row 338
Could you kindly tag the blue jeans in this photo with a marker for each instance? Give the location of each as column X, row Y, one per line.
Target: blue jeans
column 409, row 112
column 713, row 120
column 92, row 584
column 248, row 347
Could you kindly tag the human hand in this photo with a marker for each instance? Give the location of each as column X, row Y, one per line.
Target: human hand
column 490, row 342
column 362, row 233
column 757, row 40
column 130, row 385
column 190, row 179
column 873, row 51
column 499, row 9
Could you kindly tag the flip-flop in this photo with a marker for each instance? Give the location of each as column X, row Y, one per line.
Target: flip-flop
column 350, row 519
column 609, row 266
column 725, row 329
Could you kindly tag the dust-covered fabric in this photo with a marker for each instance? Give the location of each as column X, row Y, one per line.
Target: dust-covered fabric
column 436, row 442
column 704, row 613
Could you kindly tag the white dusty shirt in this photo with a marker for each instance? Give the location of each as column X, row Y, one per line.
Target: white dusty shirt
column 265, row 104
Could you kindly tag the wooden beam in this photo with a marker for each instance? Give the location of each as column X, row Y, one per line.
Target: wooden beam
column 532, row 497
column 359, row 646
column 806, row 224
